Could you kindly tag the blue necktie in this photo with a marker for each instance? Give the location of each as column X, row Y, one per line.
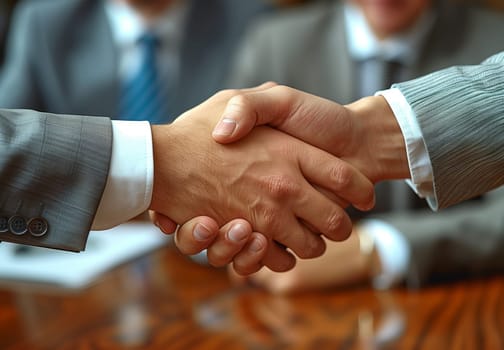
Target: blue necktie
column 143, row 95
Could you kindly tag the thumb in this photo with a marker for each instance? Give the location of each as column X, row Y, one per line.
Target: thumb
column 320, row 122
column 246, row 110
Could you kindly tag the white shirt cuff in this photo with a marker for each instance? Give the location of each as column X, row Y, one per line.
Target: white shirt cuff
column 128, row 191
column 393, row 250
column 418, row 158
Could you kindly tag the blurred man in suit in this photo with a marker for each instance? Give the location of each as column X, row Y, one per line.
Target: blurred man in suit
column 343, row 51
column 79, row 56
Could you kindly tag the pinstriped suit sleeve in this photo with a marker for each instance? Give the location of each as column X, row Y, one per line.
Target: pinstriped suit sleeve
column 460, row 111
column 55, row 167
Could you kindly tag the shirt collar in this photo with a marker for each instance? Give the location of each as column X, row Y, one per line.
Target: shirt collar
column 127, row 26
column 404, row 47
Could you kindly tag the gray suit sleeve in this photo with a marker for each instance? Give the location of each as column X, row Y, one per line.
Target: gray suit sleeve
column 52, row 167
column 464, row 240
column 461, row 114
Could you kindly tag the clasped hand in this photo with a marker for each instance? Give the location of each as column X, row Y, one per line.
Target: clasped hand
column 261, row 198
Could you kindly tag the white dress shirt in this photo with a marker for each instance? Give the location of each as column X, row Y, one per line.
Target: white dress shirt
column 127, row 28
column 392, row 248
column 128, row 191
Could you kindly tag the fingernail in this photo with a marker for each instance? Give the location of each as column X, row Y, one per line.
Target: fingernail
column 201, row 233
column 256, row 245
column 237, row 233
column 226, row 127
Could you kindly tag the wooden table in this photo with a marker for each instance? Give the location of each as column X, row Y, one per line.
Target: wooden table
column 165, row 301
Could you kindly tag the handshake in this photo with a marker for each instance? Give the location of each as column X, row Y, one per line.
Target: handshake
column 274, row 175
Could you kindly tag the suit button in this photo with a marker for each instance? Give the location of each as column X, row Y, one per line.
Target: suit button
column 17, row 225
column 38, row 227
column 4, row 224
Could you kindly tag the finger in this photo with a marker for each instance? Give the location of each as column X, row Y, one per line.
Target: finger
column 339, row 177
column 293, row 233
column 277, row 258
column 325, row 216
column 249, row 259
column 329, row 194
column 236, row 278
column 165, row 224
column 275, row 105
column 246, row 110
column 196, row 235
column 239, row 114
column 231, row 239
column 315, row 120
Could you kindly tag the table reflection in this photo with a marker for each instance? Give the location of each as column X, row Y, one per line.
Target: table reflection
column 167, row 301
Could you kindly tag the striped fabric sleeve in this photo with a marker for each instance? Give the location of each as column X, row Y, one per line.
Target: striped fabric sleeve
column 460, row 111
column 52, row 167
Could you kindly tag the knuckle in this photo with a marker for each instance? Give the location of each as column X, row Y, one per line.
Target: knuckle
column 341, row 176
column 184, row 250
column 239, row 101
column 263, row 217
column 282, row 89
column 269, row 217
column 334, row 224
column 288, row 94
column 227, row 93
column 184, row 247
column 281, row 187
column 218, row 258
column 269, row 84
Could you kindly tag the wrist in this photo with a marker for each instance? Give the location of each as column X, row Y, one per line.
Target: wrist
column 383, row 139
column 183, row 163
column 164, row 151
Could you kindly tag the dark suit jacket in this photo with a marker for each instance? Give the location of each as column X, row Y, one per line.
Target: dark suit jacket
column 306, row 49
column 53, row 167
column 62, row 58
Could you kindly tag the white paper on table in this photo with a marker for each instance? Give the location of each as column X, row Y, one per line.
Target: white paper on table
column 104, row 250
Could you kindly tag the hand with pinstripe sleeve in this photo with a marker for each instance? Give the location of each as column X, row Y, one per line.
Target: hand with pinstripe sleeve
column 442, row 131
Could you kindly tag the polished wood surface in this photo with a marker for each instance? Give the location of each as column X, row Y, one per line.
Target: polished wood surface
column 166, row 301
